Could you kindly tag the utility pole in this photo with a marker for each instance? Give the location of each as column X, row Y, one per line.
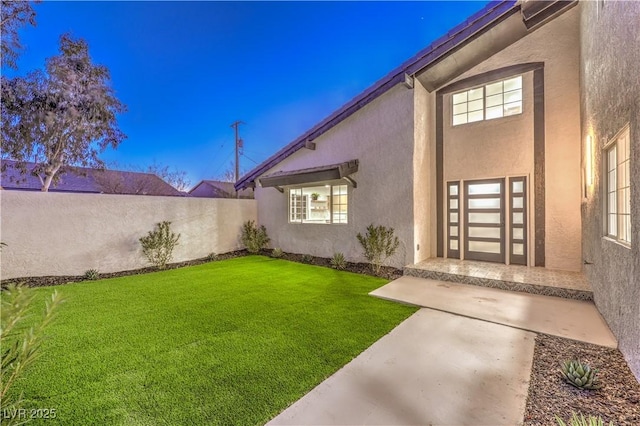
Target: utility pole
column 238, row 147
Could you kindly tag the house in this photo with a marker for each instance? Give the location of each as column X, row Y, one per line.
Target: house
column 87, row 180
column 515, row 139
column 218, row 189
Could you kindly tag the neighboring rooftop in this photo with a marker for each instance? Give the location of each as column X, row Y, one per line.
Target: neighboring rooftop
column 218, row 189
column 87, row 180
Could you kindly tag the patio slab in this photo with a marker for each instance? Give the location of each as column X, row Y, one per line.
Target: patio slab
column 435, row 368
column 572, row 319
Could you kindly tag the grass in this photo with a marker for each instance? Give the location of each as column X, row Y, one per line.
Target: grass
column 229, row 342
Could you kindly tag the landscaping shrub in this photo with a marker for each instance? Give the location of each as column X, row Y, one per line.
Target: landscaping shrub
column 582, row 421
column 277, row 253
column 253, row 237
column 306, row 258
column 21, row 346
column 212, row 256
column 379, row 244
column 91, row 274
column 338, row 262
column 158, row 245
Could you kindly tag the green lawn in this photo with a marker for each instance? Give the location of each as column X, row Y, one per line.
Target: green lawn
column 229, row 342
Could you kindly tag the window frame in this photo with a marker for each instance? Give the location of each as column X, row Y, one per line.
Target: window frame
column 484, row 99
column 618, row 216
column 332, row 203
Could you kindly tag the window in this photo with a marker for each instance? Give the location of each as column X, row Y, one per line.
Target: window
column 495, row 100
column 618, row 187
column 318, row 204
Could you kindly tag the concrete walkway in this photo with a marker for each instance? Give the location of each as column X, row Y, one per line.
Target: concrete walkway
column 464, row 361
column 435, row 368
column 572, row 319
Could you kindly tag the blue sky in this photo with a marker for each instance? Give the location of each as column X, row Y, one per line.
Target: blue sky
column 187, row 70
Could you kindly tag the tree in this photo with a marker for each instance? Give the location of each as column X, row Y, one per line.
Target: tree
column 229, row 175
column 15, row 14
column 64, row 116
column 174, row 177
column 114, row 183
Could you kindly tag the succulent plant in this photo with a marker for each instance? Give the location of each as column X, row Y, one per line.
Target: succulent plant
column 91, row 274
column 582, row 421
column 277, row 253
column 580, row 375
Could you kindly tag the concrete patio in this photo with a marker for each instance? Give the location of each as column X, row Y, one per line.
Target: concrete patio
column 463, row 359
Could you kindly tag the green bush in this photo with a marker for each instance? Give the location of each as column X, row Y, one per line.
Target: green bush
column 277, row 253
column 253, row 237
column 91, row 274
column 582, row 421
column 379, row 244
column 21, row 345
column 158, row 245
column 338, row 262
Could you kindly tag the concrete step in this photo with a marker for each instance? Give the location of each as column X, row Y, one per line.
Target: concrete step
column 545, row 282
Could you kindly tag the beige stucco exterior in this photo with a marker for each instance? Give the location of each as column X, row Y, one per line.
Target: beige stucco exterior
column 504, row 146
column 380, row 136
column 50, row 233
column 394, row 138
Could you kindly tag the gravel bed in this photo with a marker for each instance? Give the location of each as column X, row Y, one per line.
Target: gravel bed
column 618, row 400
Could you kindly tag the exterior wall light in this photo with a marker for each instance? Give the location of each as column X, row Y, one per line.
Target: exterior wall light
column 589, row 160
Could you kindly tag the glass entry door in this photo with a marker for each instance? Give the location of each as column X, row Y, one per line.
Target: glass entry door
column 484, row 220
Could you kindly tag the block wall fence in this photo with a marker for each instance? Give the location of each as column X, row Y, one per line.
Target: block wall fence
column 69, row 233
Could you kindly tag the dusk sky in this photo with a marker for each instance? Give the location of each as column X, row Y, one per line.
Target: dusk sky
column 187, row 70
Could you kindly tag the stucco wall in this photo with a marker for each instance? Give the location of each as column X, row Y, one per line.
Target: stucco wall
column 610, row 43
column 380, row 136
column 557, row 45
column 67, row 234
column 424, row 166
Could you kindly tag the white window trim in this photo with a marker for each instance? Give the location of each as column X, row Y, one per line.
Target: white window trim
column 484, row 102
column 613, row 143
column 331, row 204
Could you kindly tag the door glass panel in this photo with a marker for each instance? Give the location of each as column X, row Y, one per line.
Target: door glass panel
column 453, row 231
column 517, row 202
column 453, row 204
column 484, row 188
column 518, row 233
column 518, row 249
column 480, row 232
column 517, row 218
column 453, row 217
column 453, row 244
column 484, row 246
column 518, row 186
column 453, row 189
column 484, row 203
column 484, row 218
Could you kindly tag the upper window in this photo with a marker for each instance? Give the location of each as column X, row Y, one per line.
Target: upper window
column 618, row 187
column 318, row 204
column 494, row 100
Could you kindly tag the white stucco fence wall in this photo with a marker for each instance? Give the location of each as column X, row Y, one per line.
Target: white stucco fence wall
column 67, row 234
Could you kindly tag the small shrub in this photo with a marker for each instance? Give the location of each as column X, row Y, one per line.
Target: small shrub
column 253, row 237
column 212, row 256
column 582, row 421
column 580, row 375
column 158, row 245
column 21, row 344
column 306, row 258
column 277, row 253
column 338, row 262
column 379, row 244
column 91, row 274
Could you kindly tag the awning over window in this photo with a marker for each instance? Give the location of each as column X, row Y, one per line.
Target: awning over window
column 315, row 174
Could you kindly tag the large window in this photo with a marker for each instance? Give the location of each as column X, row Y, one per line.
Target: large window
column 618, row 187
column 318, row 204
column 495, row 100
